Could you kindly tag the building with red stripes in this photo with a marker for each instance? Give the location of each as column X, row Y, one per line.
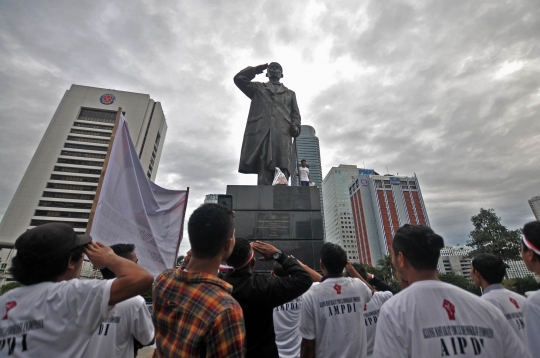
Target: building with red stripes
column 380, row 205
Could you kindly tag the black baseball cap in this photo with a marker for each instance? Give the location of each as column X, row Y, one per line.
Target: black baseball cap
column 50, row 240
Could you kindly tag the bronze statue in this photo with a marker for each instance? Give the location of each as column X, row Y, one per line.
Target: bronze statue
column 273, row 119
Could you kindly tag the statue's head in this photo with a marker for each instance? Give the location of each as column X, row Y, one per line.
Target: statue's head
column 274, row 70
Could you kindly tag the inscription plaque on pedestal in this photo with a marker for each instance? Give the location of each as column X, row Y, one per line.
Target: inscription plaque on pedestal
column 273, row 225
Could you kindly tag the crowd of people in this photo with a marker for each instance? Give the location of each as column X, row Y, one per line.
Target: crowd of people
column 206, row 308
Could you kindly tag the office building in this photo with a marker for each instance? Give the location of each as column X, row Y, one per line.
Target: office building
column 211, row 199
column 307, row 144
column 534, row 202
column 338, row 220
column 454, row 259
column 380, row 204
column 60, row 182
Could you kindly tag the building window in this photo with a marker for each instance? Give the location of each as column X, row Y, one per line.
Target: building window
column 85, row 147
column 95, row 126
column 74, row 178
column 97, row 115
column 80, row 154
column 62, row 214
column 68, row 205
column 77, row 170
column 77, row 225
column 52, row 194
column 88, row 140
column 99, row 134
column 79, row 162
column 70, row 187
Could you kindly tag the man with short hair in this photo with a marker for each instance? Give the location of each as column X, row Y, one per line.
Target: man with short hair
column 303, row 173
column 530, row 252
column 487, row 271
column 373, row 307
column 432, row 318
column 258, row 294
column 331, row 324
column 194, row 313
column 129, row 326
column 55, row 314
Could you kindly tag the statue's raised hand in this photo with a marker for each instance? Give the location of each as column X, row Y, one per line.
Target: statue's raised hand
column 261, row 68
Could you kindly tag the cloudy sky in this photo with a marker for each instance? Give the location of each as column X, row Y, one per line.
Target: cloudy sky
column 449, row 90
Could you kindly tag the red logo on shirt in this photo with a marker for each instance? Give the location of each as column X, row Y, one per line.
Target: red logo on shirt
column 514, row 302
column 337, row 288
column 9, row 305
column 450, row 309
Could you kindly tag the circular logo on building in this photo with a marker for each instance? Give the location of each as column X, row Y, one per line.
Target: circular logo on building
column 107, row 98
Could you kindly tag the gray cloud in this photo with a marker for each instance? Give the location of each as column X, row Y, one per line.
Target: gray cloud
column 413, row 85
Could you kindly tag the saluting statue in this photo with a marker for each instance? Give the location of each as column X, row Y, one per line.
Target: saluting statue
column 273, row 120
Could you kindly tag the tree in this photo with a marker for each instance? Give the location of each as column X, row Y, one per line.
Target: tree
column 459, row 281
column 524, row 284
column 490, row 236
column 9, row 286
column 386, row 272
column 180, row 260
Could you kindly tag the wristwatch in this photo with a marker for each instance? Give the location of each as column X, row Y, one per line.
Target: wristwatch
column 277, row 255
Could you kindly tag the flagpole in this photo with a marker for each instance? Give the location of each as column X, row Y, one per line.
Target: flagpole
column 101, row 177
column 181, row 228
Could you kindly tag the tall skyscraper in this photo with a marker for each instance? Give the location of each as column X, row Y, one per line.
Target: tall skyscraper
column 380, row 204
column 61, row 180
column 534, row 202
column 307, row 144
column 338, row 220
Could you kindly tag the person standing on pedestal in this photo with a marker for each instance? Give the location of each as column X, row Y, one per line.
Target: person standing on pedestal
column 303, row 173
column 274, row 118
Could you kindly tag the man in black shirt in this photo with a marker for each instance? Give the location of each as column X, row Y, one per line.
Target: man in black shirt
column 258, row 294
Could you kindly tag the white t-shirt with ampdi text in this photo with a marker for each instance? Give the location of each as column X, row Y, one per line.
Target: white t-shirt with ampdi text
column 511, row 305
column 435, row 319
column 371, row 316
column 52, row 319
column 332, row 315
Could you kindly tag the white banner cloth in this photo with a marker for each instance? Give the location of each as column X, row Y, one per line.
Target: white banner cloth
column 133, row 210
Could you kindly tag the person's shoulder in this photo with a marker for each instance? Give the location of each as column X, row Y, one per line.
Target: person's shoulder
column 533, row 299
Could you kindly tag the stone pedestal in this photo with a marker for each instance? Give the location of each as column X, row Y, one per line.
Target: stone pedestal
column 288, row 218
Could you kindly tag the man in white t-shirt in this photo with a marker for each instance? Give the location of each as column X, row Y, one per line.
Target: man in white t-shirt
column 530, row 252
column 129, row 325
column 303, row 173
column 487, row 271
column 331, row 323
column 431, row 318
column 54, row 314
column 373, row 307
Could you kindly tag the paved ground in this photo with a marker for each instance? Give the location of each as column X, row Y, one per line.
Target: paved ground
column 146, row 352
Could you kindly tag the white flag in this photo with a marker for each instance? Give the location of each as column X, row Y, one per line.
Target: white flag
column 133, row 210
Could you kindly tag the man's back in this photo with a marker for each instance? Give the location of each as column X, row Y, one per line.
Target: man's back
column 258, row 294
column 128, row 319
column 511, row 305
column 371, row 316
column 52, row 319
column 332, row 316
column 435, row 318
column 195, row 316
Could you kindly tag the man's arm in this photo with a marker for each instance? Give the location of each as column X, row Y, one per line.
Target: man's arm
column 315, row 276
column 307, row 349
column 243, row 79
column 379, row 284
column 131, row 279
column 227, row 338
column 350, row 269
column 281, row 290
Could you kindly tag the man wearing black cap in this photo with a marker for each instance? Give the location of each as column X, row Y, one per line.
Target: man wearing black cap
column 258, row 294
column 54, row 314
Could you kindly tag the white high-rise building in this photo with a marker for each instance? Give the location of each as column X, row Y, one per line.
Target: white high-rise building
column 61, row 180
column 338, row 218
column 534, row 202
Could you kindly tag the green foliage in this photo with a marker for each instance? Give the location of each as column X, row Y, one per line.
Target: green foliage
column 460, row 281
column 524, row 284
column 180, row 260
column 9, row 286
column 490, row 236
column 385, row 271
column 147, row 295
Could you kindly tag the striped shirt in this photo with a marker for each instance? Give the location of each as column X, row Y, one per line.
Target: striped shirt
column 195, row 316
